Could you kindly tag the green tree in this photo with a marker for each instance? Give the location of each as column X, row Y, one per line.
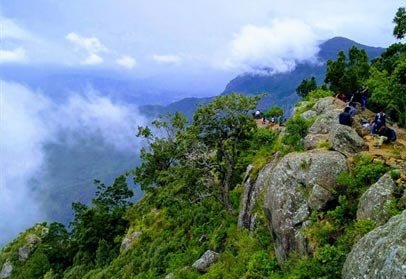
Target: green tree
column 103, row 220
column 306, row 86
column 274, row 111
column 400, row 20
column 223, row 127
column 346, row 75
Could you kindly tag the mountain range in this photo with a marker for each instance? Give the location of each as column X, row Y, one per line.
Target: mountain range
column 279, row 88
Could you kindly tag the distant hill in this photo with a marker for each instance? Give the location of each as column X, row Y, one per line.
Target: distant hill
column 280, row 88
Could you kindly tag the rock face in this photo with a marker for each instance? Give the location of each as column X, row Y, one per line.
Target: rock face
column 32, row 240
column 379, row 254
column 372, row 202
column 252, row 189
column 6, row 270
column 346, row 140
column 298, row 183
column 209, row 257
column 128, row 241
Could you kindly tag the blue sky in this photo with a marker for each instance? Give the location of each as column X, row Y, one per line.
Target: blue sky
column 189, row 37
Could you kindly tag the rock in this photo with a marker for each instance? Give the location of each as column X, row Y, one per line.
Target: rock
column 313, row 141
column 379, row 254
column 298, row 183
column 32, row 240
column 6, row 270
column 209, row 257
column 309, row 114
column 128, row 241
column 323, row 124
column 344, row 139
column 372, row 203
column 326, row 105
column 252, row 188
column 170, row 276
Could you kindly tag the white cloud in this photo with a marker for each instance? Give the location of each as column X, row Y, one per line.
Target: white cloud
column 91, row 45
column 93, row 59
column 15, row 55
column 277, row 47
column 127, row 62
column 11, row 30
column 166, row 59
column 30, row 122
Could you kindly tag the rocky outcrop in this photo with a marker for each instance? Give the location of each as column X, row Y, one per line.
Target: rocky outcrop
column 252, row 189
column 372, row 203
column 298, row 183
column 6, row 270
column 313, row 141
column 346, row 140
column 128, row 241
column 25, row 251
column 379, row 254
column 206, row 260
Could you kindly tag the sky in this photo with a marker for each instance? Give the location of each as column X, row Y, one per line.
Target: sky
column 150, row 37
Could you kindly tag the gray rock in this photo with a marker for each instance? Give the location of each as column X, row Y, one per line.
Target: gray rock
column 170, row 276
column 252, row 189
column 298, row 183
column 312, row 141
column 32, row 241
column 326, row 105
column 323, row 124
column 209, row 257
column 379, row 254
column 128, row 241
column 372, row 202
column 309, row 114
column 6, row 270
column 346, row 140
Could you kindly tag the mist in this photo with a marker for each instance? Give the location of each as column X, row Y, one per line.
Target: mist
column 52, row 150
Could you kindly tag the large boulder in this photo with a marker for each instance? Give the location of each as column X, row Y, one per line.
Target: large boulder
column 206, row 260
column 372, row 203
column 313, row 141
column 6, row 270
column 346, row 140
column 379, row 254
column 298, row 183
column 252, row 189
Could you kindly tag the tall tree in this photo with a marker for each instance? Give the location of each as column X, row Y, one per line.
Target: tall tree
column 346, row 75
column 306, row 86
column 400, row 23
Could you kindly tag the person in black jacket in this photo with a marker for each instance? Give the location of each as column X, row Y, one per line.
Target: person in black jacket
column 345, row 118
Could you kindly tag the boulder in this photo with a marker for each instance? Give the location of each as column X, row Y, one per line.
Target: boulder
column 308, row 114
column 206, row 260
column 128, row 241
column 252, row 189
column 298, row 183
column 32, row 240
column 323, row 124
column 6, row 270
column 313, row 141
column 344, row 139
column 372, row 203
column 379, row 254
column 327, row 104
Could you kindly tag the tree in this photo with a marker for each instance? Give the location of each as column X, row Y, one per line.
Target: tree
column 400, row 20
column 347, row 75
column 306, row 86
column 223, row 126
column 274, row 111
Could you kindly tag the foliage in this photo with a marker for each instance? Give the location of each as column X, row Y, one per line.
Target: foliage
column 306, row 86
column 400, row 23
column 274, row 111
column 318, row 94
column 296, row 130
column 347, row 74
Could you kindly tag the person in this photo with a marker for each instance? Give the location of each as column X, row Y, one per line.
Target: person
column 380, row 121
column 353, row 109
column 387, row 132
column 345, row 118
column 257, row 114
column 263, row 120
column 364, row 95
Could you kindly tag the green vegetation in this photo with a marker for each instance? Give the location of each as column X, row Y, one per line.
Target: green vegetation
column 306, row 86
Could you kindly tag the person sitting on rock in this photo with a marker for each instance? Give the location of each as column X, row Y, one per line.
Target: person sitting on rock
column 353, row 109
column 345, row 118
column 380, row 121
column 388, row 133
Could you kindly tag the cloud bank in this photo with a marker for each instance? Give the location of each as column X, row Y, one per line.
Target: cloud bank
column 166, row 59
column 126, row 62
column 30, row 122
column 275, row 48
